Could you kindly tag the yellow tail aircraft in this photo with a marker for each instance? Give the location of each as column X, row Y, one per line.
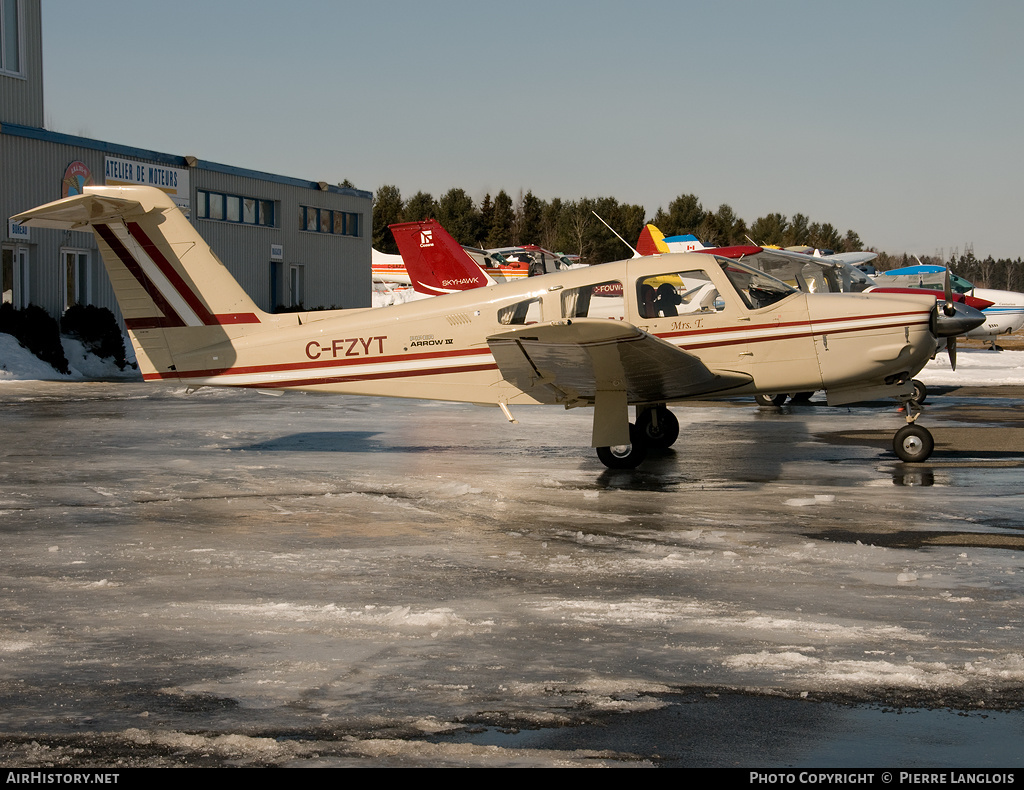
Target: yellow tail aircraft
column 610, row 336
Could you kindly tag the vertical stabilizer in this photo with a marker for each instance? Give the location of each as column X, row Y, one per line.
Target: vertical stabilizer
column 651, row 241
column 436, row 263
column 174, row 293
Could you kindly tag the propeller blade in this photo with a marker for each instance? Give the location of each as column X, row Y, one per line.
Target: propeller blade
column 947, row 286
column 951, row 350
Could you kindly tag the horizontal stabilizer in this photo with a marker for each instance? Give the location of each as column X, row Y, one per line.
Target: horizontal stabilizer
column 570, row 361
column 81, row 211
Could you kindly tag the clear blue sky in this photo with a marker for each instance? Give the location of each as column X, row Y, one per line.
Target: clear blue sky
column 902, row 120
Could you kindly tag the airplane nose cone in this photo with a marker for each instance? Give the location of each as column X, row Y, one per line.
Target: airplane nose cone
column 961, row 318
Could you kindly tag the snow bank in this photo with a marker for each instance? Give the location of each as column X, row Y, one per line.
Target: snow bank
column 17, row 363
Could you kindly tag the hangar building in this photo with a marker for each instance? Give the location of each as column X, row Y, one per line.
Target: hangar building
column 288, row 241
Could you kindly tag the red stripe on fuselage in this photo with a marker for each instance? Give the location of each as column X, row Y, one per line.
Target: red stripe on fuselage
column 316, row 364
column 391, row 374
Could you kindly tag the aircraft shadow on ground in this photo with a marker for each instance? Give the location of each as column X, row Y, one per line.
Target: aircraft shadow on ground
column 322, row 442
column 345, row 442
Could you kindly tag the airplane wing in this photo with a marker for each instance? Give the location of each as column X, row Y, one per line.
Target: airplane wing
column 571, row 361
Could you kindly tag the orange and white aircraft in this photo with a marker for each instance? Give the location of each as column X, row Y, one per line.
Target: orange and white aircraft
column 529, row 342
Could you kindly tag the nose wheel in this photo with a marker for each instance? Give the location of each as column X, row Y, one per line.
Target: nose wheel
column 913, row 444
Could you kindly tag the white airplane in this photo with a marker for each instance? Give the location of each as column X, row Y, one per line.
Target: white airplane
column 191, row 323
column 1005, row 315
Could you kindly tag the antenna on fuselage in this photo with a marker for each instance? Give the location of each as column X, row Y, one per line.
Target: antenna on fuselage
column 635, row 253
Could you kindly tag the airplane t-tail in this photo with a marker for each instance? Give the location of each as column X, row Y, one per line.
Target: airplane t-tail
column 541, row 340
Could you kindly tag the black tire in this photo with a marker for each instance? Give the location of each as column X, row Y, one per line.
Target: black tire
column 665, row 434
column 770, row 400
column 913, row 444
column 801, row 397
column 626, row 456
column 920, row 392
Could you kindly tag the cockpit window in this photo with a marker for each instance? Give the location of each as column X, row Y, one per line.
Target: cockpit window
column 677, row 293
column 755, row 288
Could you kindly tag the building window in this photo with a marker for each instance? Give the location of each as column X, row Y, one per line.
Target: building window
column 323, row 220
column 76, row 277
column 10, row 37
column 234, row 208
column 14, row 276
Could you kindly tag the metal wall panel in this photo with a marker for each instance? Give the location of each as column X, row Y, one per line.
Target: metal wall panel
column 337, row 268
column 21, row 97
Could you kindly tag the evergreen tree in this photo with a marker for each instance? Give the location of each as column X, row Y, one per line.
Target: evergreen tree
column 684, row 215
column 551, row 225
column 500, row 234
column 852, row 242
column 486, row 221
column 387, row 210
column 419, row 206
column 528, row 220
column 824, row 237
column 769, row 229
column 458, row 215
column 797, row 231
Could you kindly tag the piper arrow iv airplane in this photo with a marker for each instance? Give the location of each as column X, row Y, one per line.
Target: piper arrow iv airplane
column 833, row 273
column 191, row 322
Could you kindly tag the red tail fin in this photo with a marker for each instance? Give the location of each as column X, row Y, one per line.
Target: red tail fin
column 648, row 243
column 435, row 261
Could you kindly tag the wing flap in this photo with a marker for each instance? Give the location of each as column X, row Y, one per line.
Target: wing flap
column 571, row 361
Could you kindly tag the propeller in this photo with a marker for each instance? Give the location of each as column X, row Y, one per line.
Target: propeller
column 951, row 350
column 947, row 287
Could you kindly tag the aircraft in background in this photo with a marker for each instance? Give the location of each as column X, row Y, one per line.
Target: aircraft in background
column 192, row 323
column 537, row 260
column 1004, row 315
column 387, row 268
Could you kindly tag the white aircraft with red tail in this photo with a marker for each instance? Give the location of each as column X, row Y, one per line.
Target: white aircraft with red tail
column 529, row 342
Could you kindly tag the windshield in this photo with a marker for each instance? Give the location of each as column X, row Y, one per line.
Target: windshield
column 756, row 288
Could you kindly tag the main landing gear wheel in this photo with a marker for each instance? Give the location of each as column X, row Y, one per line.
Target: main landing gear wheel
column 662, row 435
column 625, row 456
column 801, row 397
column 912, row 443
column 920, row 392
column 770, row 400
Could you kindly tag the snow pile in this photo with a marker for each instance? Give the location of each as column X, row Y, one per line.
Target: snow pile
column 17, row 363
column 975, row 367
column 384, row 295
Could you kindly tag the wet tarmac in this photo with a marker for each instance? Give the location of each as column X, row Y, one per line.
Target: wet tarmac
column 226, row 578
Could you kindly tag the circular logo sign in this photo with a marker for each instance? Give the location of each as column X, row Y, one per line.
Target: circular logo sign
column 76, row 176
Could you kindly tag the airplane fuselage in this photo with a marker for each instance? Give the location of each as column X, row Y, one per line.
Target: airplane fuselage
column 438, row 348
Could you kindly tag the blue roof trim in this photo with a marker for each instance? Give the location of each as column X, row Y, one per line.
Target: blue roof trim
column 170, row 160
column 295, row 182
column 17, row 130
